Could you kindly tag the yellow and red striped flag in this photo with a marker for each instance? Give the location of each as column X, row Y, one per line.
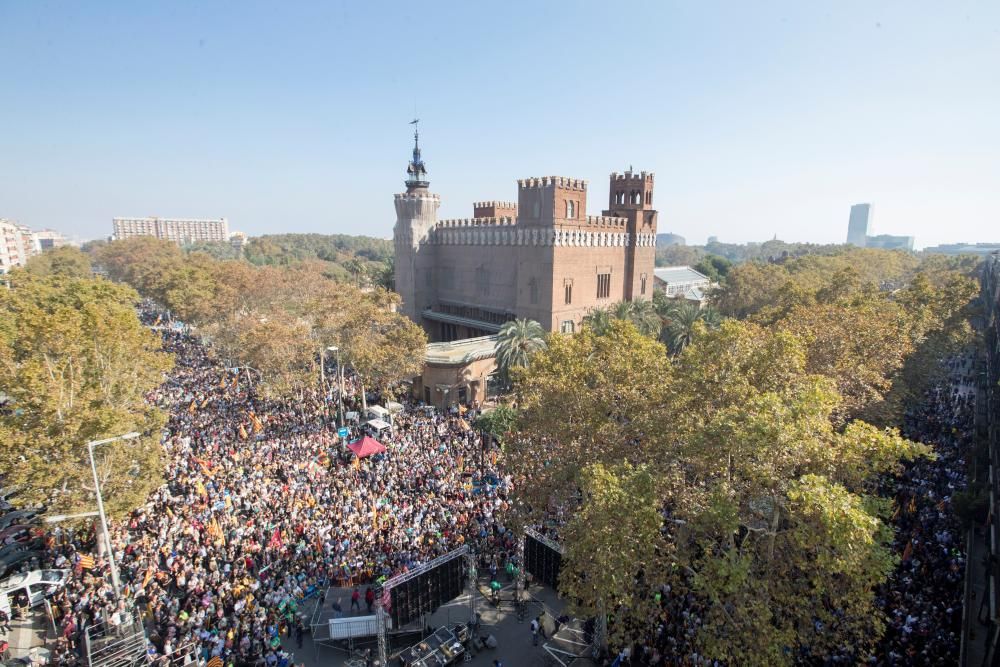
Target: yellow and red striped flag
column 86, row 562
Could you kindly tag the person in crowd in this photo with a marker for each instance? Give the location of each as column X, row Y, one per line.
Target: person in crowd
column 263, row 507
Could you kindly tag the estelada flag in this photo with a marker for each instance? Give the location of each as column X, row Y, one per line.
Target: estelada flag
column 222, row 382
column 191, row 407
column 86, row 562
column 255, row 420
column 243, row 432
column 204, row 403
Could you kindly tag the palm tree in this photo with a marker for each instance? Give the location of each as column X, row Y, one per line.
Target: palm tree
column 682, row 319
column 598, row 320
column 645, row 318
column 517, row 342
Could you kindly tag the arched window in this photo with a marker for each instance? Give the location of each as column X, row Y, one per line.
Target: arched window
column 570, row 209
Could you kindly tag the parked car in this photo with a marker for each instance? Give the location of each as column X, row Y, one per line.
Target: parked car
column 18, row 516
column 37, row 585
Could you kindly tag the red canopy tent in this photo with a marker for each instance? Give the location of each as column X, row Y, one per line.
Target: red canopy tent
column 366, row 446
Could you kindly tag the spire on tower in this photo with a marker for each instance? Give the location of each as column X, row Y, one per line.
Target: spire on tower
column 416, row 171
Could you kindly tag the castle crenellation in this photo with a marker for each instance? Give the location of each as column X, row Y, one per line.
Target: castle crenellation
column 553, row 181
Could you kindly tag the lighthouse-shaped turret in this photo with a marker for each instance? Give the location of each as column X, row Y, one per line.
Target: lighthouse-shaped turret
column 416, row 215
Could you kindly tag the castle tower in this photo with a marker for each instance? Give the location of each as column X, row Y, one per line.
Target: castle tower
column 416, row 216
column 630, row 196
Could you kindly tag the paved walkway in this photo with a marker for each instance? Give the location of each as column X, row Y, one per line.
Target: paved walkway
column 27, row 634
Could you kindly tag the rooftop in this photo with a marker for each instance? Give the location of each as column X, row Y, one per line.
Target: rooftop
column 460, row 352
column 679, row 274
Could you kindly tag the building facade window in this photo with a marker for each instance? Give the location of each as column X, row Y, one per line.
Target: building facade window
column 533, row 290
column 570, row 209
column 642, row 284
column 603, row 285
column 567, row 326
column 568, row 289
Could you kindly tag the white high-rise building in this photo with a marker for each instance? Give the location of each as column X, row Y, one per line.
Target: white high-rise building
column 178, row 230
column 12, row 248
column 859, row 225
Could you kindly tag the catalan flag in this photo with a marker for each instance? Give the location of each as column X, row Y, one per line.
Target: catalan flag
column 86, row 562
column 204, row 403
column 243, row 432
column 255, row 420
column 215, row 662
column 222, row 382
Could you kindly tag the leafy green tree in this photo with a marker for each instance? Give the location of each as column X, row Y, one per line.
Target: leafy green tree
column 65, row 261
column 714, row 267
column 768, row 524
column 517, row 341
column 499, row 421
column 598, row 573
column 76, row 364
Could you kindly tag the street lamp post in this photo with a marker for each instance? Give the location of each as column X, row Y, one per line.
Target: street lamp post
column 115, row 581
column 340, row 389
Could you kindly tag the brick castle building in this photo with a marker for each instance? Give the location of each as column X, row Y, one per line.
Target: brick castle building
column 541, row 258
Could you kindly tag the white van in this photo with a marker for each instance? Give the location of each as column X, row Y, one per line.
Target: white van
column 36, row 584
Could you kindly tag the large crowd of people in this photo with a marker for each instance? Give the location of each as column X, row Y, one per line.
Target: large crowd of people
column 264, row 506
column 923, row 599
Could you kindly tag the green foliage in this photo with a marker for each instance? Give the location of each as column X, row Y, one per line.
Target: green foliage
column 362, row 260
column 65, row 261
column 76, row 365
column 678, row 255
column 599, row 568
column 769, row 521
column 498, row 421
column 220, row 250
column 714, row 267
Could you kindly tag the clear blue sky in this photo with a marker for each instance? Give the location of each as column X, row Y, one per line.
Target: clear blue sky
column 758, row 118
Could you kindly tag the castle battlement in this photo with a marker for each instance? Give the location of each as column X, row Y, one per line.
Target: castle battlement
column 606, row 220
column 476, row 222
column 550, row 181
column 417, row 195
column 495, row 204
column 629, row 176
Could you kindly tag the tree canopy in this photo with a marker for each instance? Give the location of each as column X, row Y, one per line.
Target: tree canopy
column 76, row 365
column 764, row 504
